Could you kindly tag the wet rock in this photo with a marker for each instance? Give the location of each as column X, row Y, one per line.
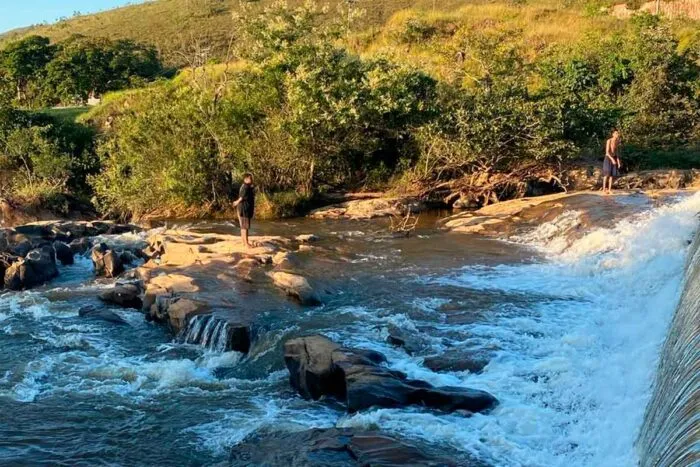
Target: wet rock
column 455, row 361
column 306, row 238
column 63, row 253
column 128, row 257
column 217, row 333
column 343, row 447
column 80, row 246
column 296, row 286
column 285, row 261
column 93, row 312
column 38, row 267
column 126, row 295
column 399, row 338
column 318, row 367
column 107, row 262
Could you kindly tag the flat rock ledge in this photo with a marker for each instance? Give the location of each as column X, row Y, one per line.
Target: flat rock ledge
column 190, row 282
column 320, row 367
column 341, row 447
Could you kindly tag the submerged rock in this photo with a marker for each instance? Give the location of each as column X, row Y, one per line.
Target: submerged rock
column 108, row 263
column 473, row 362
column 38, row 267
column 318, row 367
column 343, row 447
column 93, row 312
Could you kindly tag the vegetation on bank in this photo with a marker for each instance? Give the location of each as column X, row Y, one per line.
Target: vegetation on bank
column 470, row 102
column 72, row 71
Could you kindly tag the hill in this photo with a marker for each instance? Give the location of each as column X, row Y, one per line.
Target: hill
column 177, row 26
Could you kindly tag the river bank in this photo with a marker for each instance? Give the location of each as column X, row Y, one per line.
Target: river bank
column 197, row 341
column 580, row 178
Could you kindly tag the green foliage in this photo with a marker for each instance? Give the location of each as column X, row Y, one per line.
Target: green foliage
column 24, row 61
column 74, row 70
column 312, row 116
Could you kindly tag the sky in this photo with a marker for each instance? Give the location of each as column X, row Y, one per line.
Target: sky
column 19, row 13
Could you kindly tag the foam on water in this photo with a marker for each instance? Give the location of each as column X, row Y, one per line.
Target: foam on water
column 576, row 360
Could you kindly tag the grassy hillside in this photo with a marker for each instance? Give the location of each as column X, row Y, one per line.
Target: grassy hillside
column 176, row 26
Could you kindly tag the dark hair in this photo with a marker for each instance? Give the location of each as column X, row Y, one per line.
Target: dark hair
column 247, row 175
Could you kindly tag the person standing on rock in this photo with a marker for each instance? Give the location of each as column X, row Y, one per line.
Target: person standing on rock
column 246, row 206
column 612, row 163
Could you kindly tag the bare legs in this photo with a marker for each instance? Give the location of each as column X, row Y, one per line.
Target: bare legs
column 244, row 237
column 607, row 185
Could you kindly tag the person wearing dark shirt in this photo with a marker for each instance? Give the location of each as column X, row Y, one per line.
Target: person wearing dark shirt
column 246, row 206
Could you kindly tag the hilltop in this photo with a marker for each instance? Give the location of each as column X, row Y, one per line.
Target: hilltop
column 176, row 26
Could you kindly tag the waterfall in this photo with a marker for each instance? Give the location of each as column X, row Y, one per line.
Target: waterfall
column 208, row 331
column 670, row 434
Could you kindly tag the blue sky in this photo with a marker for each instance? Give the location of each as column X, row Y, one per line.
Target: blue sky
column 18, row 13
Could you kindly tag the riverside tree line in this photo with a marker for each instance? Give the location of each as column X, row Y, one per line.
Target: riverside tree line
column 301, row 105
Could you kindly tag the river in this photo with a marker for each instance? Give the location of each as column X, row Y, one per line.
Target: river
column 569, row 316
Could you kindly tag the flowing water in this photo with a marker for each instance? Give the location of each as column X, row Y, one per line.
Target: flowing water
column 571, row 319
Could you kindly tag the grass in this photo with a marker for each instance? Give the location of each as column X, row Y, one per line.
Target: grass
column 177, row 27
column 66, row 114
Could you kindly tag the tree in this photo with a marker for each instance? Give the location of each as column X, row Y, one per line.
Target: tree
column 85, row 67
column 24, row 60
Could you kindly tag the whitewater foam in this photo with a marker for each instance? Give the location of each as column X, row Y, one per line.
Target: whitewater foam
column 575, row 361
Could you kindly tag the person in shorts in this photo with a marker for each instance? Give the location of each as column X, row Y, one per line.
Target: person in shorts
column 246, row 207
column 612, row 162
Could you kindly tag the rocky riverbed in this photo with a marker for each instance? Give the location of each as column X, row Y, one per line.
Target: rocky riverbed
column 331, row 342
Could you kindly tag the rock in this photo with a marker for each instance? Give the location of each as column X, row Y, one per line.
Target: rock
column 285, row 260
column 344, row 447
column 296, row 286
column 369, row 208
column 22, row 248
column 6, row 260
column 93, row 312
column 107, row 262
column 38, row 267
column 127, row 296
column 80, row 246
column 457, row 361
column 410, row 344
column 218, row 333
column 128, row 257
column 176, row 311
column 318, row 367
column 306, row 238
column 63, row 253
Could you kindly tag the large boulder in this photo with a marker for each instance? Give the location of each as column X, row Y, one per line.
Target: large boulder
column 296, row 286
column 124, row 295
column 318, row 367
column 38, row 267
column 63, row 253
column 344, row 447
column 107, row 262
